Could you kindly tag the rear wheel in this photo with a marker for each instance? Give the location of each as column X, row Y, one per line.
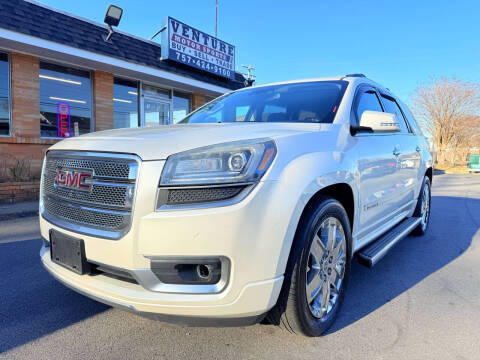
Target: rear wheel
column 423, row 207
column 317, row 272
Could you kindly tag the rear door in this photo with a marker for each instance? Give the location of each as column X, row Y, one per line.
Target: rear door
column 376, row 168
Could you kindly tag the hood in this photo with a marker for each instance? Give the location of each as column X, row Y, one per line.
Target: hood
column 157, row 143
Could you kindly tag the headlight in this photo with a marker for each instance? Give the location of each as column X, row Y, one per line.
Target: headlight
column 235, row 162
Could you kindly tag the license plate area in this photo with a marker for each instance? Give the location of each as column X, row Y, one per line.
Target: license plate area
column 68, row 252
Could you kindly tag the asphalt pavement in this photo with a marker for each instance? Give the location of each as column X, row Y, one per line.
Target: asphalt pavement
column 422, row 301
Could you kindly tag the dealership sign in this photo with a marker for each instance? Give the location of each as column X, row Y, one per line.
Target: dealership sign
column 192, row 47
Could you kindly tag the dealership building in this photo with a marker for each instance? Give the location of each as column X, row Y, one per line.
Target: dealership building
column 59, row 77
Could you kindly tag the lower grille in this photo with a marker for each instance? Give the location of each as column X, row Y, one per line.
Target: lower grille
column 199, row 195
column 87, row 216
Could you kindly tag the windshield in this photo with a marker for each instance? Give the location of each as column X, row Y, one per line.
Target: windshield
column 308, row 102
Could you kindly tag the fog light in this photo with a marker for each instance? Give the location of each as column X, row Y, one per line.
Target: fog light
column 187, row 271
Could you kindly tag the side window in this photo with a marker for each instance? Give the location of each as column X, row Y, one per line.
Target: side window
column 392, row 107
column 241, row 112
column 368, row 101
column 274, row 113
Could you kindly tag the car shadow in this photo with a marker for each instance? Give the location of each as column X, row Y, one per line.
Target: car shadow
column 32, row 303
column 412, row 260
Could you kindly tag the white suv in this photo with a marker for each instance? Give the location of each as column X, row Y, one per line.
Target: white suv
column 253, row 206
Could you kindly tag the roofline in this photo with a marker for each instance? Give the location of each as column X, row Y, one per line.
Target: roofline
column 286, row 82
column 50, row 48
column 92, row 22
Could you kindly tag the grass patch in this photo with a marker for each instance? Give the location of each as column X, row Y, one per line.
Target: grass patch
column 448, row 169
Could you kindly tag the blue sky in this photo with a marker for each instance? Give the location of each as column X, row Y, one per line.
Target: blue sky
column 400, row 44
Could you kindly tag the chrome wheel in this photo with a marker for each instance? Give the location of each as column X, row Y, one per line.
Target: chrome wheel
column 326, row 267
column 425, row 209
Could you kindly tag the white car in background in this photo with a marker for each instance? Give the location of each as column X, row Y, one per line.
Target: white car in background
column 252, row 207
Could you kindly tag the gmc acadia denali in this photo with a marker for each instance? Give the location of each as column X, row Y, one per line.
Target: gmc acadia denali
column 252, row 206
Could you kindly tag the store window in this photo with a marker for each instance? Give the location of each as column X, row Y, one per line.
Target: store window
column 65, row 101
column 4, row 96
column 181, row 106
column 125, row 103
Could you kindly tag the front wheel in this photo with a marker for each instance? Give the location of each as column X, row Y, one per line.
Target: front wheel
column 317, row 271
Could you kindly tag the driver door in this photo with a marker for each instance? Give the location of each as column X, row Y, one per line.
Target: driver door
column 377, row 169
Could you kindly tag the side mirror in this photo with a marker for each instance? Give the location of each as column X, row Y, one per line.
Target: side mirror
column 380, row 122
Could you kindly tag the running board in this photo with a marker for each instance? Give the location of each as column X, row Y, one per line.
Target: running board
column 372, row 254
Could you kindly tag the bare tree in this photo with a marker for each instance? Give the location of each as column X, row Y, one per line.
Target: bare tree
column 448, row 111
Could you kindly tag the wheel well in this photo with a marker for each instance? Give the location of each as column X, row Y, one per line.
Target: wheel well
column 341, row 192
column 429, row 173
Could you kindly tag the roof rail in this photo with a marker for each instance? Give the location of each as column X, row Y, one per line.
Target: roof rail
column 354, row 75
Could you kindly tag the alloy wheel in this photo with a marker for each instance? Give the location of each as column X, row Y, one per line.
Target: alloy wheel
column 326, row 267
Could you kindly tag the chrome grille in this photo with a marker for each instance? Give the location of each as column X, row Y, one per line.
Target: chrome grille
column 105, row 208
column 104, row 168
column 86, row 216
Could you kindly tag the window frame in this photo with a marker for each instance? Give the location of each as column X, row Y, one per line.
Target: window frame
column 92, row 95
column 9, row 84
column 361, row 89
column 390, row 97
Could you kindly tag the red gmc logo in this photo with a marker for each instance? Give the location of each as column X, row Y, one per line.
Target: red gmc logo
column 73, row 179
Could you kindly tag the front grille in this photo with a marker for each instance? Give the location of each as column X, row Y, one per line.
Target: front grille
column 104, row 209
column 86, row 216
column 102, row 167
column 199, row 195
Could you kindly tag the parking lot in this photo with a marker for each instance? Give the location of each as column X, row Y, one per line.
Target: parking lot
column 421, row 301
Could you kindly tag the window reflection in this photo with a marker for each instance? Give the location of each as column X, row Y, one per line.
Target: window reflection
column 125, row 103
column 181, row 106
column 65, row 101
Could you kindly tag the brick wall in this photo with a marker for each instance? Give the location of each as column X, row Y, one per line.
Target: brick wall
column 197, row 101
column 25, row 96
column 19, row 191
column 25, row 141
column 103, row 103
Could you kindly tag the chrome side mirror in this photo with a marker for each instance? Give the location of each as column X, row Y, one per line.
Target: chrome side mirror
column 380, row 122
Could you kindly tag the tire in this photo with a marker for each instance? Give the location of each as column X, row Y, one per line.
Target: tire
column 423, row 210
column 293, row 312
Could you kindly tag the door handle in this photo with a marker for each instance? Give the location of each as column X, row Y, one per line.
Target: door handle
column 418, row 149
column 396, row 151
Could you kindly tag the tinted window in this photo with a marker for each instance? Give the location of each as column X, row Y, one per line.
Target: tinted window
column 312, row 102
column 391, row 107
column 181, row 106
column 65, row 101
column 125, row 103
column 4, row 95
column 368, row 101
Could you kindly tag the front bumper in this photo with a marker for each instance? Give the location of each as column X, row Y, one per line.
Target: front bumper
column 254, row 235
column 133, row 297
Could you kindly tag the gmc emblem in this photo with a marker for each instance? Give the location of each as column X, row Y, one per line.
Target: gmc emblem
column 74, row 179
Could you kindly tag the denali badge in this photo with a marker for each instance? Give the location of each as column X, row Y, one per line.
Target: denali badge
column 74, row 179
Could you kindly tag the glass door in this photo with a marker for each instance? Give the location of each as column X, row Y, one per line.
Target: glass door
column 156, row 112
column 156, row 106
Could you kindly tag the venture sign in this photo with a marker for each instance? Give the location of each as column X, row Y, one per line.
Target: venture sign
column 192, row 47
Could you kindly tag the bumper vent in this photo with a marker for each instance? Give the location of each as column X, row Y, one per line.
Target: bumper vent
column 199, row 195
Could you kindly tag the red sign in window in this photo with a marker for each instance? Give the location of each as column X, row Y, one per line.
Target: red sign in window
column 63, row 120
